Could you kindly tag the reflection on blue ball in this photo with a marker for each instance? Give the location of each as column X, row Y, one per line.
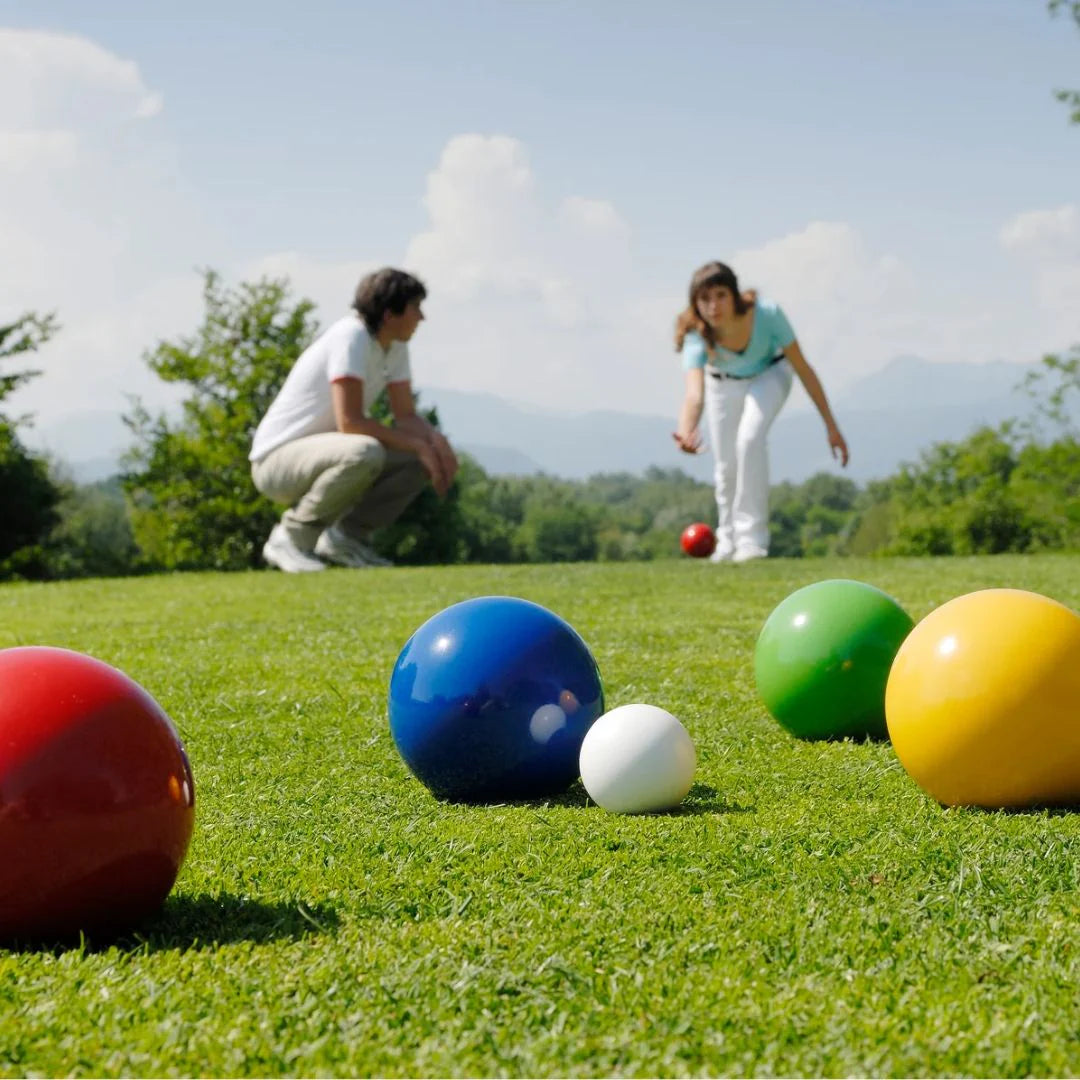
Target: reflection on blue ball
column 490, row 700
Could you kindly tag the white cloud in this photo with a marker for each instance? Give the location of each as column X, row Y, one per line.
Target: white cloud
column 75, row 182
column 851, row 308
column 1044, row 235
column 1059, row 291
column 545, row 299
column 91, row 223
column 1046, row 243
column 535, row 295
column 150, row 106
column 96, row 365
column 29, row 151
column 488, row 230
column 594, row 216
column 533, row 298
column 329, row 285
column 50, row 80
column 855, row 309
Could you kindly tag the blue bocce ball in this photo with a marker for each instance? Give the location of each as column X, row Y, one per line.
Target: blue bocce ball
column 490, row 700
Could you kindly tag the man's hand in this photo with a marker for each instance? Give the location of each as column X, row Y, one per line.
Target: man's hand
column 445, row 453
column 427, row 441
column 434, row 468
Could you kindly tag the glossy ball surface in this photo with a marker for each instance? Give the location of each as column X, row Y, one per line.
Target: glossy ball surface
column 823, row 657
column 698, row 540
column 637, row 759
column 97, row 800
column 983, row 701
column 490, row 699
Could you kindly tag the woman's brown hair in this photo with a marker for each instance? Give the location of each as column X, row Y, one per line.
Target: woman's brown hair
column 712, row 273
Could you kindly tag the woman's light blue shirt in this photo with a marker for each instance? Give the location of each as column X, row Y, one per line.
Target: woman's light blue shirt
column 770, row 334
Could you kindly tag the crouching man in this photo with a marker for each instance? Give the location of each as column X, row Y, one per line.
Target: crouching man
column 341, row 474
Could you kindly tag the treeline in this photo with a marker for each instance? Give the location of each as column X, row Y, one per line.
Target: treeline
column 185, row 498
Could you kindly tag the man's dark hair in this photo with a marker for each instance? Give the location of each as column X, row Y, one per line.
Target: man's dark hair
column 386, row 290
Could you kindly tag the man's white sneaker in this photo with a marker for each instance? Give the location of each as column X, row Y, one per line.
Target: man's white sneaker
column 280, row 551
column 720, row 556
column 749, row 554
column 372, row 556
column 337, row 546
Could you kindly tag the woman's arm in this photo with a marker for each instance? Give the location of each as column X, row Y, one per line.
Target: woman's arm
column 808, row 377
column 687, row 437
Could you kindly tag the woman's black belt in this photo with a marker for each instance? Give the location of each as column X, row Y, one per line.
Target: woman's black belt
column 724, row 375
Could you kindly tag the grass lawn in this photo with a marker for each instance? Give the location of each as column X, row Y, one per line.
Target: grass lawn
column 809, row 911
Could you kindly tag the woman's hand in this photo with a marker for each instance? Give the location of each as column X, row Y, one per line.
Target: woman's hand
column 686, row 435
column 837, row 444
column 689, row 442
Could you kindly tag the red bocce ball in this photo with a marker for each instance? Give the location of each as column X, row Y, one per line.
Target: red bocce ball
column 97, row 800
column 698, row 540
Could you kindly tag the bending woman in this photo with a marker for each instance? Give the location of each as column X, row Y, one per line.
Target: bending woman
column 739, row 352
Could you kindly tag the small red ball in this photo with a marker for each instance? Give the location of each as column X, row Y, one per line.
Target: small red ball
column 97, row 800
column 698, row 540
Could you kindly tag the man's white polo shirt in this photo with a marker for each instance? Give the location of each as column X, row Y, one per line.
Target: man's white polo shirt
column 304, row 406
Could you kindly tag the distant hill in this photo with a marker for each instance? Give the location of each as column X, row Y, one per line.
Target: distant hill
column 908, row 383
column 501, row 460
column 888, row 417
column 89, row 443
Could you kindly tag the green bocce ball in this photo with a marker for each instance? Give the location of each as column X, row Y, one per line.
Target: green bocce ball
column 823, row 657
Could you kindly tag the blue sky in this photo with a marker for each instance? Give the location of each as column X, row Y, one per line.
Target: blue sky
column 896, row 174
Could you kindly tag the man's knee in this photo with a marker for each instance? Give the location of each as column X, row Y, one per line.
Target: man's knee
column 407, row 470
column 366, row 454
column 416, row 472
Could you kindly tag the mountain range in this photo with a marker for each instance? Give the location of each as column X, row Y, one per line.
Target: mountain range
column 888, row 417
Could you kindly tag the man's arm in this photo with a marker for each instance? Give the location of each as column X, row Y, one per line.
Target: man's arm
column 408, row 420
column 348, row 398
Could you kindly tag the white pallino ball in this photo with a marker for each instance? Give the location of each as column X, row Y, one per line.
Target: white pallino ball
column 637, row 758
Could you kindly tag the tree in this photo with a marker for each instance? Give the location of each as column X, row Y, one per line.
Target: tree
column 491, row 512
column 1055, row 387
column 189, row 482
column 1047, row 483
column 431, row 529
column 642, row 517
column 27, row 493
column 810, row 518
column 193, row 503
column 26, row 334
column 93, row 537
column 1069, row 98
column 562, row 530
column 962, row 498
column 1058, row 382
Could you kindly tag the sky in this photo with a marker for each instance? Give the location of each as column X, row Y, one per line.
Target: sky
column 897, row 175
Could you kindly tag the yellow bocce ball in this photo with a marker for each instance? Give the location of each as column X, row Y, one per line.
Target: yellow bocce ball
column 983, row 701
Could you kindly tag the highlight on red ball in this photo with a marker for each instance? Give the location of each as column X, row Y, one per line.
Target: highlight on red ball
column 698, row 540
column 97, row 799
